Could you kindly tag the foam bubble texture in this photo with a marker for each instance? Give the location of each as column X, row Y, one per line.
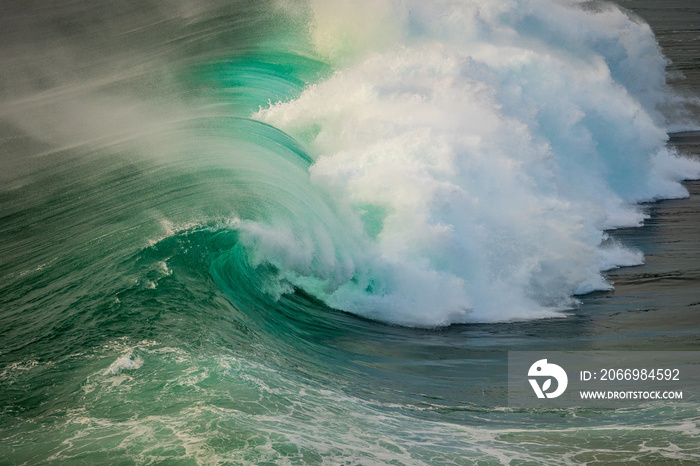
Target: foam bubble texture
column 482, row 147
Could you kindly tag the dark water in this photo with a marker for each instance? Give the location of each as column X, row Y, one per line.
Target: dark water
column 148, row 316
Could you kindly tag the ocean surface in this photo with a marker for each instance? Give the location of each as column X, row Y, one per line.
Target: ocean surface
column 309, row 232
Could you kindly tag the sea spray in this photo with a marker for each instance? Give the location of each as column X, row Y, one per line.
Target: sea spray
column 482, row 148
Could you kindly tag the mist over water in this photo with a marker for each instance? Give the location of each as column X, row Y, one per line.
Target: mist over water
column 244, row 231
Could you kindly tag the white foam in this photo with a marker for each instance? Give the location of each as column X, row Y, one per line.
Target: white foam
column 496, row 140
column 126, row 362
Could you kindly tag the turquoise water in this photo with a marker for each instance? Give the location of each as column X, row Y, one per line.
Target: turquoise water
column 308, row 233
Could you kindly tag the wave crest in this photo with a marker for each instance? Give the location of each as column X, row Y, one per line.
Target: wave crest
column 476, row 154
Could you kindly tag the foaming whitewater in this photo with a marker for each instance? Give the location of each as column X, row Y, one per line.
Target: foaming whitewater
column 468, row 157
